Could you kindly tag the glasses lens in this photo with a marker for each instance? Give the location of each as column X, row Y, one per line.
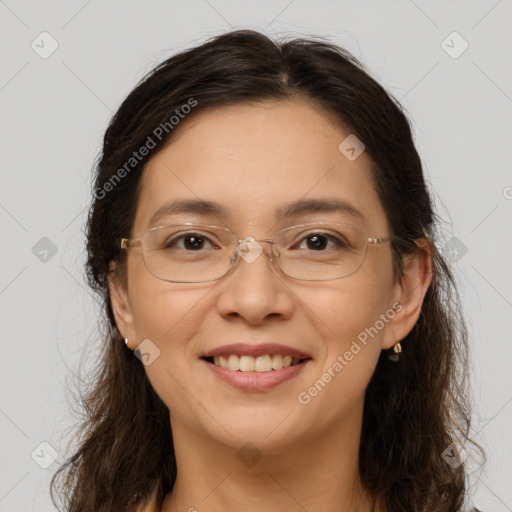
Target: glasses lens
column 321, row 251
column 196, row 252
column 188, row 253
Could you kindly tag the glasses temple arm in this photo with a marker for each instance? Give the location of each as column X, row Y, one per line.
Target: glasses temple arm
column 126, row 243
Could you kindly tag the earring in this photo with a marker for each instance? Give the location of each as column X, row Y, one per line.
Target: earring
column 397, row 349
column 126, row 341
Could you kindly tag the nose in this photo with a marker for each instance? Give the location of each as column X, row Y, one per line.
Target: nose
column 254, row 289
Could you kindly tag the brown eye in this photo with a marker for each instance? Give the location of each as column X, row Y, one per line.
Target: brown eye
column 191, row 241
column 319, row 241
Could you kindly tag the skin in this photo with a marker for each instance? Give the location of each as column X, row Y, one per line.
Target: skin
column 252, row 159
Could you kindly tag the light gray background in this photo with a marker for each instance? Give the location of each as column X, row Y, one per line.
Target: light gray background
column 54, row 112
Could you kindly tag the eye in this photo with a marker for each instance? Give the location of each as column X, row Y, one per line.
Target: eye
column 191, row 241
column 318, row 241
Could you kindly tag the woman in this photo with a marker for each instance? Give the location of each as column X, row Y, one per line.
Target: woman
column 284, row 333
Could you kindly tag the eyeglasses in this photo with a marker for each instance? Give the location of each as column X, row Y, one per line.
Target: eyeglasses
column 194, row 253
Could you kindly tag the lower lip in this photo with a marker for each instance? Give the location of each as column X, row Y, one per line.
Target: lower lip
column 256, row 381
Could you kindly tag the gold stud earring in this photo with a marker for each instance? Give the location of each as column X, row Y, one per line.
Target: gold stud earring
column 397, row 349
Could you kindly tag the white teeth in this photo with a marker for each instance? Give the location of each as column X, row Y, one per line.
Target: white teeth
column 246, row 363
column 277, row 362
column 233, row 362
column 265, row 363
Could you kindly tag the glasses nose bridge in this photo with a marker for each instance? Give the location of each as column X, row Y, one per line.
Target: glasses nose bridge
column 242, row 251
column 252, row 239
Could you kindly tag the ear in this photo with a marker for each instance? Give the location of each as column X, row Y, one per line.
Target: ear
column 120, row 304
column 409, row 292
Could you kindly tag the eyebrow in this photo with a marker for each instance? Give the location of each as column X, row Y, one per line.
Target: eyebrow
column 292, row 209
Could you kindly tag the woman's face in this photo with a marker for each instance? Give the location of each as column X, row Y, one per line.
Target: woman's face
column 252, row 160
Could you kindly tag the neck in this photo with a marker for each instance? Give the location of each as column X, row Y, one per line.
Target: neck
column 317, row 473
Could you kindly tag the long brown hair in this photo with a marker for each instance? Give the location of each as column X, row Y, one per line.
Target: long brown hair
column 414, row 409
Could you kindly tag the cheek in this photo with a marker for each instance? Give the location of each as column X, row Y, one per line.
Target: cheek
column 161, row 309
column 346, row 309
column 351, row 348
column 351, row 318
column 164, row 313
column 170, row 316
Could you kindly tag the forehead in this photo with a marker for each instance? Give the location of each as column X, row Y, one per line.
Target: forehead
column 255, row 158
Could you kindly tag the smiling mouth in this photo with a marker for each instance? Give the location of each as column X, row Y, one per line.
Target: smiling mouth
column 262, row 364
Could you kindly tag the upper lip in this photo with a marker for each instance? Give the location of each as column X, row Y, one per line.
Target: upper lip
column 261, row 349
